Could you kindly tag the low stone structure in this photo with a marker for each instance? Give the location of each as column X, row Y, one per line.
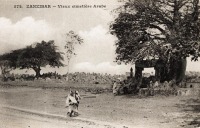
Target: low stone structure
column 192, row 85
column 173, row 70
column 188, row 92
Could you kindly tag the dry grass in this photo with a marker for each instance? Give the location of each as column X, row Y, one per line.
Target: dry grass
column 54, row 84
column 149, row 112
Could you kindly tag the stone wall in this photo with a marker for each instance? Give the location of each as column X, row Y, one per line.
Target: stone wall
column 92, row 78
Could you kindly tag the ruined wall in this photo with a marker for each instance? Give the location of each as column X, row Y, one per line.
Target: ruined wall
column 164, row 71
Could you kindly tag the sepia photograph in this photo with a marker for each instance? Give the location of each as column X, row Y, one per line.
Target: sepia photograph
column 99, row 64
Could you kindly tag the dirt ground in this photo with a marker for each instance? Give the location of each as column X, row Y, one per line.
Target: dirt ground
column 127, row 111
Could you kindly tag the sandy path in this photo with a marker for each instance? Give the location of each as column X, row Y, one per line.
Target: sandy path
column 12, row 117
column 15, row 119
column 103, row 110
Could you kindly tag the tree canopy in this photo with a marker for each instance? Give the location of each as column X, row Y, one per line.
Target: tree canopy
column 35, row 56
column 157, row 28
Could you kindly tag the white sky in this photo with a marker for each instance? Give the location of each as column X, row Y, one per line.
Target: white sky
column 21, row 27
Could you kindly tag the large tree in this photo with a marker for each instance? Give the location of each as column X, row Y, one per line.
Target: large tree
column 164, row 29
column 72, row 39
column 35, row 56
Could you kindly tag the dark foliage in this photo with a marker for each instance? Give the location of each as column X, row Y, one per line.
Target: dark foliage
column 157, row 28
column 35, row 56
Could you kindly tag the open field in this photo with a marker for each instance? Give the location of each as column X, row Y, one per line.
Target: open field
column 46, row 99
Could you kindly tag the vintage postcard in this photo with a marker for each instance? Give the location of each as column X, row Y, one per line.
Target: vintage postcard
column 99, row 64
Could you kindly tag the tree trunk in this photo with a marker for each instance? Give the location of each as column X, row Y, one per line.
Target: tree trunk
column 37, row 71
column 180, row 74
column 67, row 79
column 176, row 70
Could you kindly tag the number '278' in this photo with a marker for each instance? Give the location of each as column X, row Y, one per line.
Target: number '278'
column 17, row 6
